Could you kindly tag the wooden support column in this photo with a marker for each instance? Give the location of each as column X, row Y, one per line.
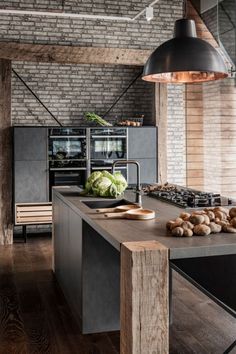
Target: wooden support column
column 161, row 122
column 144, row 298
column 6, row 227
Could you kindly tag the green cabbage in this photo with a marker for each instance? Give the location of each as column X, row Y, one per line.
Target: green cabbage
column 105, row 184
column 91, row 180
column 113, row 190
column 101, row 186
column 120, row 182
column 108, row 175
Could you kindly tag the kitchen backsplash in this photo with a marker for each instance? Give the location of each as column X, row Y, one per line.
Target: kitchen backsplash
column 68, row 91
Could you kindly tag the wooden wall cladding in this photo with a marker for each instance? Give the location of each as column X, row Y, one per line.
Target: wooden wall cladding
column 211, row 136
column 211, row 129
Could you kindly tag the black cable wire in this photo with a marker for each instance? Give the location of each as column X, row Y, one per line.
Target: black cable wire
column 63, row 5
column 122, row 94
column 37, row 98
column 230, row 348
column 184, row 8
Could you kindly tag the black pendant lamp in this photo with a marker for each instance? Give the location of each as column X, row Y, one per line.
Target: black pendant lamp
column 185, row 58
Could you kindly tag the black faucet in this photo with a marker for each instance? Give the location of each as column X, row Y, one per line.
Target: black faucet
column 138, row 184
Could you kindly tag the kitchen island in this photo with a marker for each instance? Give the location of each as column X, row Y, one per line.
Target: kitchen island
column 115, row 273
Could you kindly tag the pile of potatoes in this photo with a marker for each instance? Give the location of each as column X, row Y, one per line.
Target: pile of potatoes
column 203, row 222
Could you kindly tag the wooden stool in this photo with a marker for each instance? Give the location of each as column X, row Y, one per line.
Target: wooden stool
column 32, row 214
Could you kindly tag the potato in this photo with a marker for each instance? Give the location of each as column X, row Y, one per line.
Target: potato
column 197, row 219
column 215, row 228
column 198, row 212
column 220, row 215
column 208, row 209
column 232, row 212
column 201, row 230
column 206, row 219
column 184, row 216
column 188, row 233
column 187, row 225
column 229, row 229
column 178, row 231
column 169, row 224
column 221, row 222
column 177, row 222
column 222, row 209
column 210, row 215
column 233, row 222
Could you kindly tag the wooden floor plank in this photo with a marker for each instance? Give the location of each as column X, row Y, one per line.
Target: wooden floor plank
column 35, row 318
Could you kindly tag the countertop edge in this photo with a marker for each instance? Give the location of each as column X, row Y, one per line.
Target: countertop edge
column 89, row 221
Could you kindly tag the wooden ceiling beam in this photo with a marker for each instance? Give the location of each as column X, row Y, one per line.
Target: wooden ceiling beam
column 72, row 54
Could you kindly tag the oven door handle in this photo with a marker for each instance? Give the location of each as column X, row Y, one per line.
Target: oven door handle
column 108, row 168
column 68, row 169
column 67, row 136
column 108, row 136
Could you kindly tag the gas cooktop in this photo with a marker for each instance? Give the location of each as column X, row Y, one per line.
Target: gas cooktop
column 189, row 198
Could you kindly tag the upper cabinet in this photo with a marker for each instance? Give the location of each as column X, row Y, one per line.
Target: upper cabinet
column 30, row 165
column 30, row 144
column 142, row 147
column 142, row 142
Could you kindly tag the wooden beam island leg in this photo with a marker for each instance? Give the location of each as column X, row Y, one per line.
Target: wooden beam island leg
column 6, row 227
column 144, row 298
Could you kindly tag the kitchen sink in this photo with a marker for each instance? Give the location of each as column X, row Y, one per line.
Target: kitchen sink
column 96, row 204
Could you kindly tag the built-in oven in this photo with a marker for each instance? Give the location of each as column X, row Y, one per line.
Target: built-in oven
column 67, row 157
column 108, row 143
column 106, row 146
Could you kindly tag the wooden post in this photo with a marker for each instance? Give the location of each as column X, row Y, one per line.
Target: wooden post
column 6, row 227
column 161, row 122
column 144, row 298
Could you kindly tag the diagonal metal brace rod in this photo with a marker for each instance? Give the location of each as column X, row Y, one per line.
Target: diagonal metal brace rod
column 37, row 98
column 122, row 94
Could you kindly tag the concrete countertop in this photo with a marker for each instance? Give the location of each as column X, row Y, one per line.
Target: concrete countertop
column 117, row 231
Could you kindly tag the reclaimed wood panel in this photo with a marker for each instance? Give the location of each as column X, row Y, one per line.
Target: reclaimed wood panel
column 144, row 298
column 6, row 227
column 211, row 137
column 210, row 128
column 72, row 54
column 161, row 122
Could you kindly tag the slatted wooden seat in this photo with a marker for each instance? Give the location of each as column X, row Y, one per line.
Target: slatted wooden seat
column 32, row 214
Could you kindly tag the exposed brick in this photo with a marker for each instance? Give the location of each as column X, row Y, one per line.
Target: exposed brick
column 70, row 90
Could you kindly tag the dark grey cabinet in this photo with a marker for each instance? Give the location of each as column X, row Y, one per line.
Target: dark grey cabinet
column 87, row 269
column 67, row 244
column 31, row 177
column 30, row 182
column 30, row 144
column 142, row 146
column 30, row 165
column 148, row 171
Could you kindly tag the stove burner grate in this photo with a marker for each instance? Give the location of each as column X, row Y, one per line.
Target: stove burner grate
column 188, row 198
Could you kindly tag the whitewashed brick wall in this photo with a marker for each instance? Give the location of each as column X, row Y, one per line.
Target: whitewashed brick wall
column 176, row 135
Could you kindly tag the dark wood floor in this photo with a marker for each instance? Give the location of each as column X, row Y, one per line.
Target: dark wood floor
column 34, row 317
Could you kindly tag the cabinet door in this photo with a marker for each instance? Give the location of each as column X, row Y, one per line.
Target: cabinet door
column 142, row 143
column 75, row 262
column 30, row 182
column 60, row 243
column 64, row 247
column 30, row 144
column 148, row 171
column 67, row 245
